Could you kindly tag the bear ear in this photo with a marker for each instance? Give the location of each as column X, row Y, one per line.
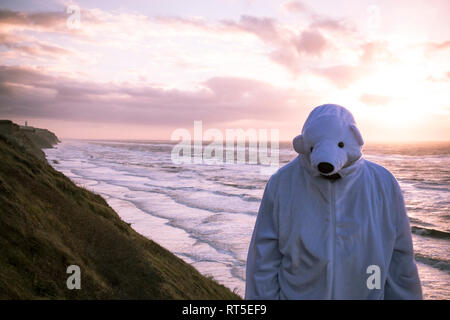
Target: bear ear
column 357, row 134
column 299, row 144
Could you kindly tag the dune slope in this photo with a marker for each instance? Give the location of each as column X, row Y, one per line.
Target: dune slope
column 48, row 223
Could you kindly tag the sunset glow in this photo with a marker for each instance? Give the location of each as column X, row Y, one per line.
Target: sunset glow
column 141, row 69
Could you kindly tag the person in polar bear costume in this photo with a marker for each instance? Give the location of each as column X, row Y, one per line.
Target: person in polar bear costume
column 331, row 225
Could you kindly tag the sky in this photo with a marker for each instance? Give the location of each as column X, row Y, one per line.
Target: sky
column 142, row 69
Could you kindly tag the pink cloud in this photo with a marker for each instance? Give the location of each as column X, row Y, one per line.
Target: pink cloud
column 288, row 58
column 311, row 42
column 35, row 49
column 440, row 46
column 294, row 6
column 376, row 51
column 374, row 99
column 287, row 46
column 435, row 47
column 33, row 93
column 341, row 75
column 53, row 21
column 16, row 38
column 264, row 28
column 333, row 25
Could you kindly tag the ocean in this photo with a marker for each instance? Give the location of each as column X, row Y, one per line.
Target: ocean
column 205, row 213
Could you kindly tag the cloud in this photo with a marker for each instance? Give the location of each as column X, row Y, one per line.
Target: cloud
column 290, row 46
column 341, row 75
column 288, row 58
column 323, row 45
column 44, row 19
column 374, row 99
column 311, row 42
column 334, row 25
column 31, row 92
column 287, row 47
column 35, row 49
column 435, row 46
column 16, row 38
column 294, row 7
column 52, row 21
column 40, row 21
column 375, row 51
column 318, row 21
column 264, row 28
column 372, row 53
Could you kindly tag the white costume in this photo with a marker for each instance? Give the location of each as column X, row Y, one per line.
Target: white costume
column 331, row 225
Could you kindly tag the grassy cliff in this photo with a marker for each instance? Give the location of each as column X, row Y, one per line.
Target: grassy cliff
column 48, row 223
column 28, row 139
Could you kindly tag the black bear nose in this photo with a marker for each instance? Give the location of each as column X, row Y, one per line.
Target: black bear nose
column 325, row 167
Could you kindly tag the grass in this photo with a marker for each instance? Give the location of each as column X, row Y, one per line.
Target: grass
column 48, row 223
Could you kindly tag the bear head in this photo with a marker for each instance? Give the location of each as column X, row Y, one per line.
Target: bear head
column 330, row 140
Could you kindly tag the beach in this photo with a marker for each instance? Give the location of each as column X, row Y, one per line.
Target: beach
column 205, row 213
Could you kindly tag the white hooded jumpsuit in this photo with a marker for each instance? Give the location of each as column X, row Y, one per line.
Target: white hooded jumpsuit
column 320, row 239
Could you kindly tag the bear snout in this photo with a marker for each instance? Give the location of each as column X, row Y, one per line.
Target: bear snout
column 325, row 167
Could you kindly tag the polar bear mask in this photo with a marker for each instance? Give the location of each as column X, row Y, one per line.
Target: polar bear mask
column 330, row 140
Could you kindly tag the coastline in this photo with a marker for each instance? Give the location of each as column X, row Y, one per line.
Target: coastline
column 207, row 228
column 47, row 223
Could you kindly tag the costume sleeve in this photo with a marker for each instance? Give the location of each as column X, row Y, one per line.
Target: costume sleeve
column 403, row 279
column 264, row 258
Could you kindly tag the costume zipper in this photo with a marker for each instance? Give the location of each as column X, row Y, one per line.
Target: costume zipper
column 333, row 238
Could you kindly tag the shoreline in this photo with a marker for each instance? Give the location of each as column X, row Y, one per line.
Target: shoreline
column 433, row 275
column 170, row 236
column 47, row 224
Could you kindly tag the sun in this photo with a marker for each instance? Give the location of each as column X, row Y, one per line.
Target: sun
column 409, row 95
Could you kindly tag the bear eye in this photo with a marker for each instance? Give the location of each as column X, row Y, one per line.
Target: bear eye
column 341, row 144
column 310, row 150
